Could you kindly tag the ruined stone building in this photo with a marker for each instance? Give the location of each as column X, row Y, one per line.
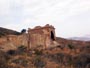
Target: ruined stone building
column 42, row 36
column 38, row 36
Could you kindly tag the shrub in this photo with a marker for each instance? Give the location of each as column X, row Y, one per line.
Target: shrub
column 82, row 60
column 61, row 47
column 21, row 49
column 20, row 61
column 3, row 59
column 23, row 31
column 38, row 52
column 38, row 62
column 70, row 46
column 58, row 58
column 11, row 52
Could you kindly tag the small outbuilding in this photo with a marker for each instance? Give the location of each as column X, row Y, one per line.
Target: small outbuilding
column 42, row 36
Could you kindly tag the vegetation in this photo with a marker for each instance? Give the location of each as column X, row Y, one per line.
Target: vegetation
column 23, row 31
column 11, row 52
column 39, row 62
column 70, row 46
column 4, row 59
column 38, row 58
column 62, row 56
column 38, row 52
column 20, row 61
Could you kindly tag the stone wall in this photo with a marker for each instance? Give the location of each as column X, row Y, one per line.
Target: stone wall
column 38, row 36
column 18, row 40
column 3, row 40
column 13, row 41
column 41, row 36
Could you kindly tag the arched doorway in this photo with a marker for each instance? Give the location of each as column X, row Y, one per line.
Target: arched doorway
column 52, row 36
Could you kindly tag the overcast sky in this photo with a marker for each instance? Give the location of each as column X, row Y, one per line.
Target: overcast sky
column 70, row 17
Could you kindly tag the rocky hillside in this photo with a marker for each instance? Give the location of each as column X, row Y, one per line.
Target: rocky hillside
column 76, row 43
column 4, row 31
column 69, row 54
column 86, row 38
column 49, row 58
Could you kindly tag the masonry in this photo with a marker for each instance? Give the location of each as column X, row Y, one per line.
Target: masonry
column 42, row 36
column 39, row 36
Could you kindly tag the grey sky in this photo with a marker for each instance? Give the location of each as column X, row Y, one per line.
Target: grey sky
column 70, row 17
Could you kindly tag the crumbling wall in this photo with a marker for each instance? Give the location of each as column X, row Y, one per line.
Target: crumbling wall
column 3, row 39
column 41, row 36
column 11, row 42
column 38, row 36
column 18, row 40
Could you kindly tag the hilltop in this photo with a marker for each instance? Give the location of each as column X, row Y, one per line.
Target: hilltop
column 68, row 54
column 5, row 31
column 77, row 43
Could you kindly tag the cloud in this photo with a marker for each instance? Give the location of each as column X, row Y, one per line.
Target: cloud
column 63, row 14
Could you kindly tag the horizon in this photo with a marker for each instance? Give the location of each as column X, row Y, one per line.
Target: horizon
column 71, row 18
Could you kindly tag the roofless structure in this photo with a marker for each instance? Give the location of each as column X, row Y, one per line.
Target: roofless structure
column 41, row 36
